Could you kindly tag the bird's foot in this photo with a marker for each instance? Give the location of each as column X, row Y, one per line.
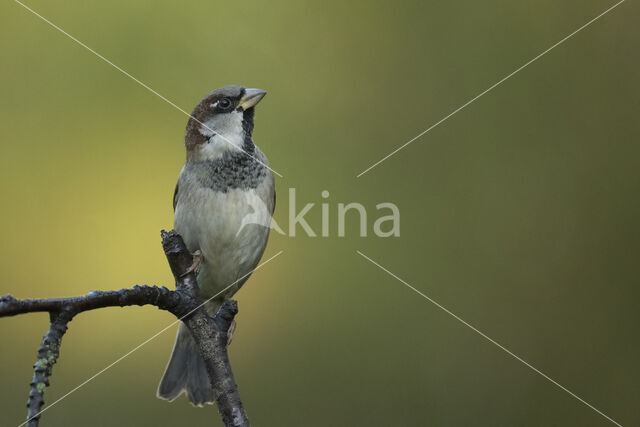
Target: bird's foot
column 197, row 262
column 232, row 328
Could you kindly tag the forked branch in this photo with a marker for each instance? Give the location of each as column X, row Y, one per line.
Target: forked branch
column 210, row 333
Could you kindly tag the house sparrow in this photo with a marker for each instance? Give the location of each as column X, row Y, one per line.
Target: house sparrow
column 224, row 176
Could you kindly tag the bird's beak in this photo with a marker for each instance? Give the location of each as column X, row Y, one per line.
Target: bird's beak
column 251, row 97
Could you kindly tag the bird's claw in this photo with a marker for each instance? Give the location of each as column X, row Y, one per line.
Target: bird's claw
column 232, row 328
column 195, row 267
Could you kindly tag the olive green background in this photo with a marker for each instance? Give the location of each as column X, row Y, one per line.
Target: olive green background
column 519, row 213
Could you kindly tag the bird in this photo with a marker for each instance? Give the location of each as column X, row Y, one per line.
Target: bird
column 225, row 175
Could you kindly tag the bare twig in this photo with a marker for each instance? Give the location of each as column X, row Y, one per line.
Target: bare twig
column 210, row 333
column 47, row 356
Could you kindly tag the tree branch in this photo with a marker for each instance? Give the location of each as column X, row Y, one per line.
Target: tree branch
column 47, row 356
column 161, row 297
column 210, row 333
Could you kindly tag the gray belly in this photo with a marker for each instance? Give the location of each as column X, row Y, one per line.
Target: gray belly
column 212, row 222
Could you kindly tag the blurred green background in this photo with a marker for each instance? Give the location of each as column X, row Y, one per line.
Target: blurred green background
column 520, row 213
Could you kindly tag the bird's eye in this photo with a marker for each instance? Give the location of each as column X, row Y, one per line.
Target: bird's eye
column 224, row 103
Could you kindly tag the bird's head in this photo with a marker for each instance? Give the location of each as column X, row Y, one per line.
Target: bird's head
column 222, row 122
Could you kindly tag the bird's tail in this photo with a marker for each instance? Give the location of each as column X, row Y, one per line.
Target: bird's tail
column 186, row 372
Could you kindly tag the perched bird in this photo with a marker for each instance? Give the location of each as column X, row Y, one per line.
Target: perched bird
column 224, row 177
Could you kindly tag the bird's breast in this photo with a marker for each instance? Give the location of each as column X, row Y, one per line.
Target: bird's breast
column 230, row 228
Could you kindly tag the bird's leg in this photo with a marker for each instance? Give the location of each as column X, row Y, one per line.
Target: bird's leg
column 197, row 261
column 232, row 328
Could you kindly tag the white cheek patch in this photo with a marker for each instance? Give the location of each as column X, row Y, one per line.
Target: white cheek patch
column 214, row 149
column 224, row 133
column 227, row 126
column 206, row 130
